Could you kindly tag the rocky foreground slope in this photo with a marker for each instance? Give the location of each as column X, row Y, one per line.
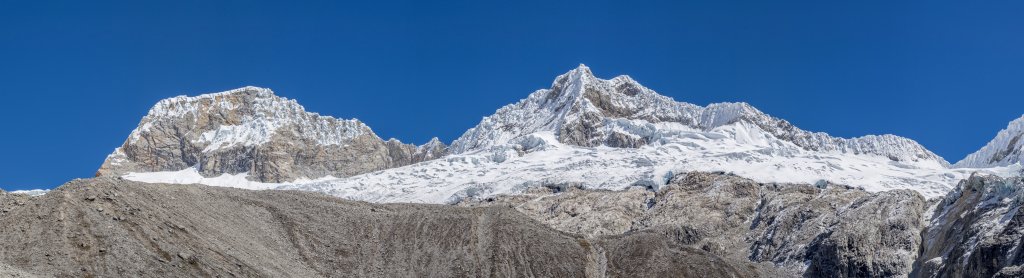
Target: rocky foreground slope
column 702, row 225
column 107, row 227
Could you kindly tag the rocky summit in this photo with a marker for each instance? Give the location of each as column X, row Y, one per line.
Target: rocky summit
column 252, row 131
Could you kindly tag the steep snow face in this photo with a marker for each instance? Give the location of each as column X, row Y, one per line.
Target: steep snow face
column 251, row 130
column 1005, row 149
column 586, row 111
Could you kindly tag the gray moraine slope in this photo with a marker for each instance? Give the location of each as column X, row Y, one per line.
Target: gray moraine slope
column 701, row 225
column 106, row 227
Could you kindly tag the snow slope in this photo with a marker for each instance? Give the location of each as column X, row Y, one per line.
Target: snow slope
column 192, row 176
column 542, row 161
column 1006, row 148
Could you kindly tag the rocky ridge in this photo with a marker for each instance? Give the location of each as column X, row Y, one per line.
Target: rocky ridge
column 822, row 230
column 817, row 231
column 251, row 130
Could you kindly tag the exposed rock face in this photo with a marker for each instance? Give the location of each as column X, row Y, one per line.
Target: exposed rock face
column 1005, row 149
column 874, row 236
column 250, row 130
column 107, row 227
column 976, row 231
column 840, row 232
column 584, row 110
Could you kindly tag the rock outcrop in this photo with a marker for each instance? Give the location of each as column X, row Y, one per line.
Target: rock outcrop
column 820, row 231
column 106, row 227
column 976, row 231
column 251, row 130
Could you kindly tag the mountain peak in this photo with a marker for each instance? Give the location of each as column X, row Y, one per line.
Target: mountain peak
column 578, row 75
column 434, row 142
column 1005, row 149
column 582, row 68
column 583, row 110
column 250, row 130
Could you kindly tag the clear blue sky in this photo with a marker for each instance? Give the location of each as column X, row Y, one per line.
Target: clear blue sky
column 77, row 76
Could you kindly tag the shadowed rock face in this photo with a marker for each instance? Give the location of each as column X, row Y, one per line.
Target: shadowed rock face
column 111, row 227
column 976, row 231
column 831, row 232
column 250, row 130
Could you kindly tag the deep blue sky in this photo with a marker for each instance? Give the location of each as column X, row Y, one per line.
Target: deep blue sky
column 75, row 77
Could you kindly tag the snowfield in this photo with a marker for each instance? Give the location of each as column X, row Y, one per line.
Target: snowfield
column 541, row 161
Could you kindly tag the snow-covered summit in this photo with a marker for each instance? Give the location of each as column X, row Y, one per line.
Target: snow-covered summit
column 251, row 116
column 251, row 130
column 587, row 111
column 1005, row 149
